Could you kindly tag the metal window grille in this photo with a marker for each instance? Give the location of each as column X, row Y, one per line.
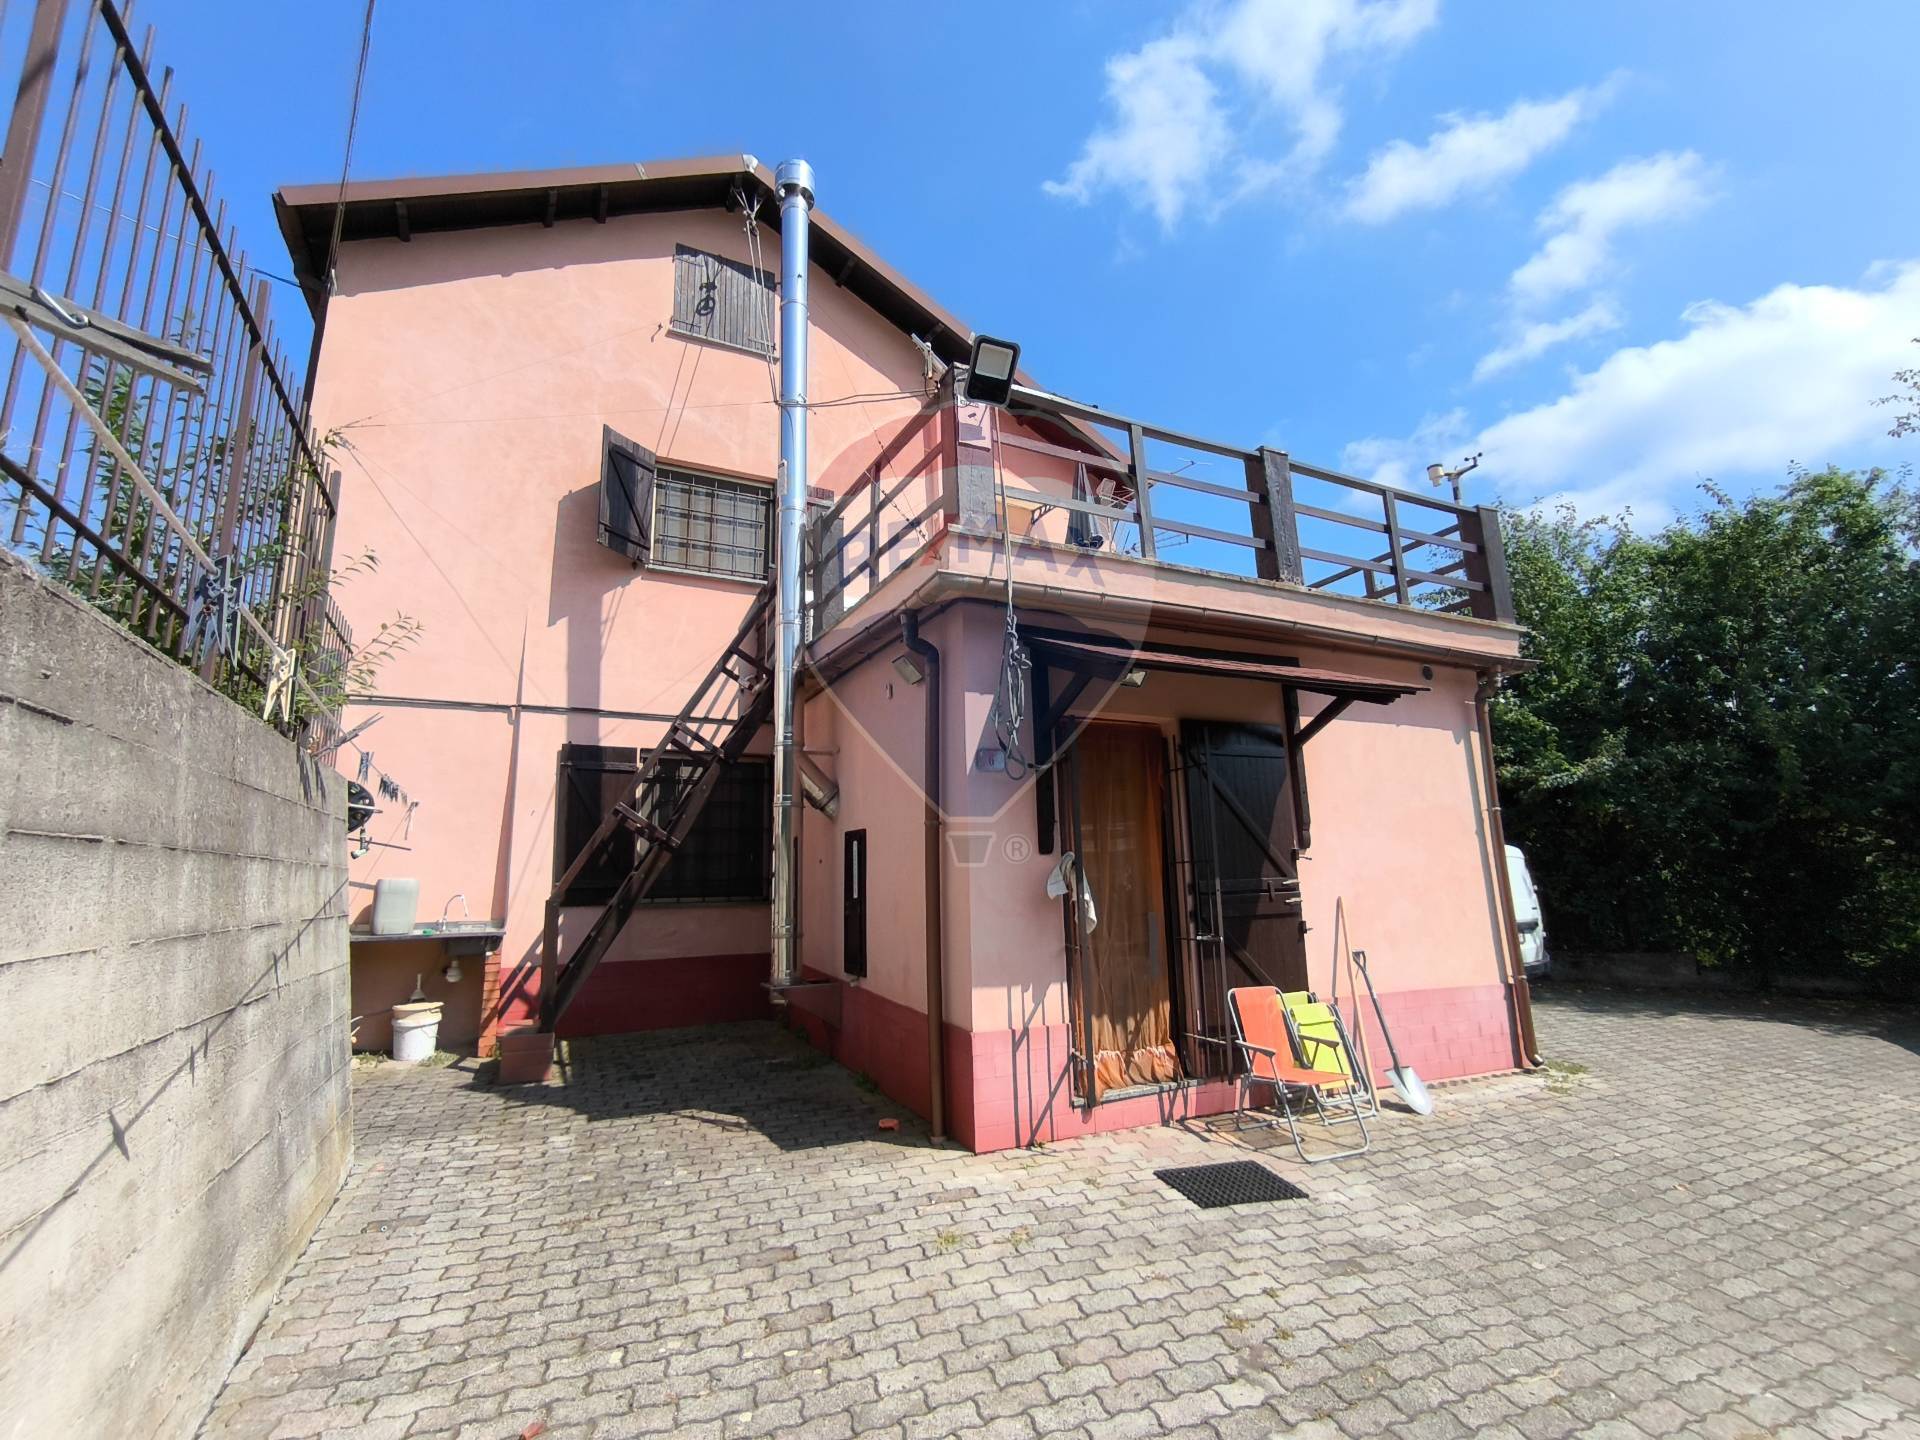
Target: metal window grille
column 712, row 526
column 728, row 855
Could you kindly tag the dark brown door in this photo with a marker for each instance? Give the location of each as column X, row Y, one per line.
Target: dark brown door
column 1246, row 886
column 1123, row 992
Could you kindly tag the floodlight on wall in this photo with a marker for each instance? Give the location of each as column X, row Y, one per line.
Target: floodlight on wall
column 1134, row 678
column 908, row 669
column 990, row 370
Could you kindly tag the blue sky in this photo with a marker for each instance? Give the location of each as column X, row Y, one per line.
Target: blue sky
column 1621, row 247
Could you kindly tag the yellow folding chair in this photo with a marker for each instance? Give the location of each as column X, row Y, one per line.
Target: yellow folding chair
column 1263, row 1034
column 1320, row 1039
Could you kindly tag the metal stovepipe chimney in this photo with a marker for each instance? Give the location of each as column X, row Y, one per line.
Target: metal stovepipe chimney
column 794, row 183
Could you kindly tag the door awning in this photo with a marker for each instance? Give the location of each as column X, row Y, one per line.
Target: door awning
column 1105, row 655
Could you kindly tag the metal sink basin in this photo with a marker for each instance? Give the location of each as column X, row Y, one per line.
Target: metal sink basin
column 461, row 937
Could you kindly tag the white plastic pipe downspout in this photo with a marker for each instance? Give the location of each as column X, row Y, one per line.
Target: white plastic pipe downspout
column 794, row 184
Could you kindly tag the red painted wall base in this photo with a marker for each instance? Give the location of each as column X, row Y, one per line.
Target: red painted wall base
column 1442, row 1034
column 1017, row 1087
column 622, row 996
column 1005, row 1088
column 886, row 1042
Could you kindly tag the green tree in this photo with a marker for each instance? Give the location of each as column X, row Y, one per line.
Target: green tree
column 1720, row 748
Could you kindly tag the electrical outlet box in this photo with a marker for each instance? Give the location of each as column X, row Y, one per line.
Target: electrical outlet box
column 990, row 760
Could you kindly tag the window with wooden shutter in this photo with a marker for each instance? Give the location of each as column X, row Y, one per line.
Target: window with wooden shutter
column 628, row 474
column 592, row 780
column 721, row 300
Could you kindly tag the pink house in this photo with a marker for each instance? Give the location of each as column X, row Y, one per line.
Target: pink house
column 1244, row 694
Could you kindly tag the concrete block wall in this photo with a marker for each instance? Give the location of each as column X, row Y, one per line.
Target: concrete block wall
column 174, row 1094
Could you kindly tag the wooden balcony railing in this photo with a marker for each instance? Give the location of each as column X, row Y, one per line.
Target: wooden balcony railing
column 1079, row 475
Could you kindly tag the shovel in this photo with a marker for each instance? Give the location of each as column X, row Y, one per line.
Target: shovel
column 1407, row 1085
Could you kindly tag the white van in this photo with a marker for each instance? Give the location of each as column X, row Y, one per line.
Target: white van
column 1527, row 917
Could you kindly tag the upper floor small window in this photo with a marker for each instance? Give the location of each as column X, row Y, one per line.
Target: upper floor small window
column 722, row 300
column 712, row 525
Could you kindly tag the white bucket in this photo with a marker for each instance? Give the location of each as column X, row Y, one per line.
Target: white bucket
column 416, row 1028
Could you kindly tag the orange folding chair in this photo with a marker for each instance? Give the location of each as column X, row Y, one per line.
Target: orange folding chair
column 1267, row 1058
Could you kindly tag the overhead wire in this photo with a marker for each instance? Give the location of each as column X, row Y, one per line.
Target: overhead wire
column 875, row 397
column 750, row 212
column 1016, row 664
column 346, row 159
column 333, row 251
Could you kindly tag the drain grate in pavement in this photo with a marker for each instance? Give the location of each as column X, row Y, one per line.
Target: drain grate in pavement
column 1240, row 1182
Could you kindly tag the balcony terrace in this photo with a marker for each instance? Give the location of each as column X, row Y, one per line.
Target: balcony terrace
column 1096, row 514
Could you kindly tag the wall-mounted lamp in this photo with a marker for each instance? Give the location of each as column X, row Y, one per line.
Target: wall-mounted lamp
column 990, row 370
column 1134, row 679
column 908, row 669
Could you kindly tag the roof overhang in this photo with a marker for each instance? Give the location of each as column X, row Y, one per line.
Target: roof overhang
column 401, row 209
column 1088, row 657
column 1109, row 657
column 1084, row 593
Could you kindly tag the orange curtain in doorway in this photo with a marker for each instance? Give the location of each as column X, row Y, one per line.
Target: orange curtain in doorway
column 1129, row 1004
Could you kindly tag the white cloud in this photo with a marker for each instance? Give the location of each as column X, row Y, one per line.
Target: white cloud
column 1468, row 153
column 1169, row 129
column 1402, row 463
column 1536, row 339
column 1191, row 109
column 1584, row 218
column 1745, row 391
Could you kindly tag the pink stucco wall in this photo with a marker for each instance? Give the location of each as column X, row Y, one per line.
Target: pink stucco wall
column 868, row 732
column 1400, row 865
column 464, row 380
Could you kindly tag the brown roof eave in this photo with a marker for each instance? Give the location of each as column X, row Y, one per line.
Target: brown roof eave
column 392, row 209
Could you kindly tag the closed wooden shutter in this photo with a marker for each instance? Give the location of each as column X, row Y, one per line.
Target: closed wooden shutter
column 1246, row 874
column 627, row 475
column 722, row 300
column 592, row 780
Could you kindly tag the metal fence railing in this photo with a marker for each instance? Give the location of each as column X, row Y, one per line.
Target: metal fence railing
column 1125, row 487
column 155, row 448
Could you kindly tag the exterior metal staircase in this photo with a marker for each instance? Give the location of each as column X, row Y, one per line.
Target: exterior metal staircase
column 711, row 731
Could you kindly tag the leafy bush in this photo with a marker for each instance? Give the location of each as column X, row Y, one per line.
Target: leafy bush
column 1719, row 751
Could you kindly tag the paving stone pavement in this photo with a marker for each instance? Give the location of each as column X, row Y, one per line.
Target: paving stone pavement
column 703, row 1233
